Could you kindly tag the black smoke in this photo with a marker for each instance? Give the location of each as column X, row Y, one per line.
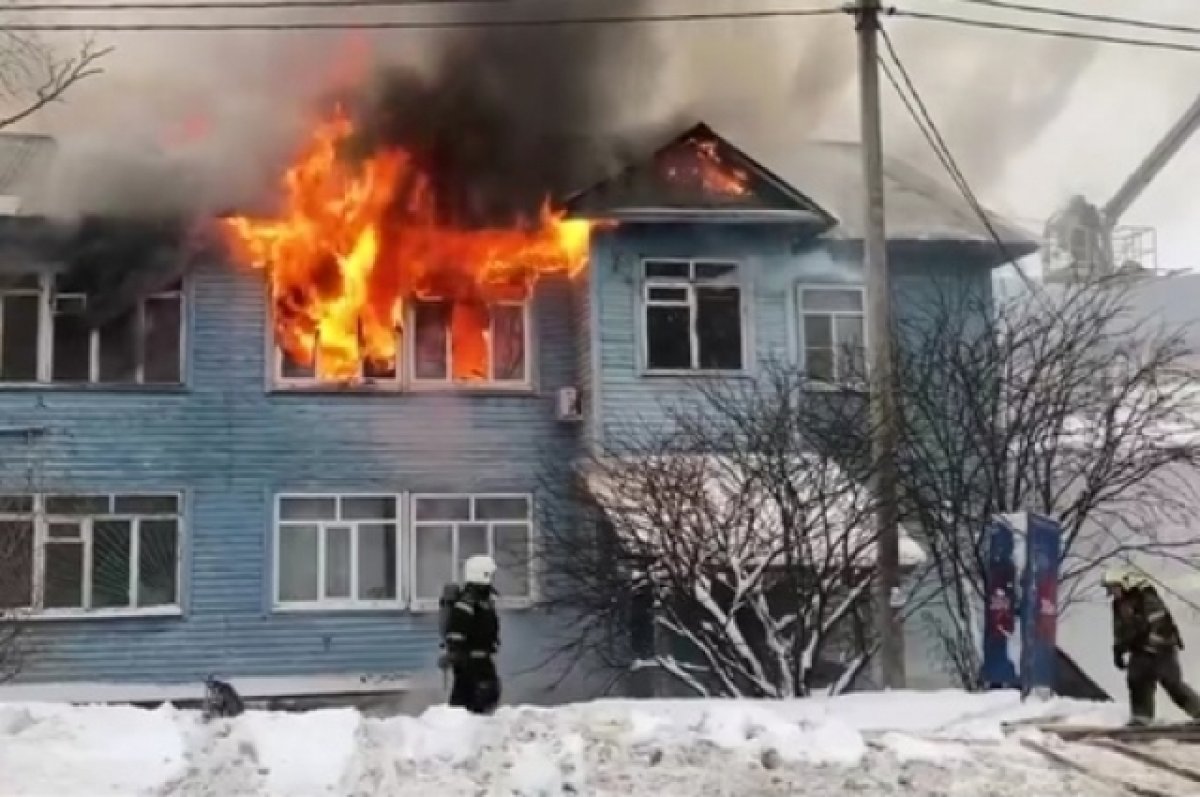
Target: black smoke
column 507, row 116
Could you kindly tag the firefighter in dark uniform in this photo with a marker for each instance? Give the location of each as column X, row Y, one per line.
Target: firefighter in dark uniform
column 472, row 639
column 1144, row 630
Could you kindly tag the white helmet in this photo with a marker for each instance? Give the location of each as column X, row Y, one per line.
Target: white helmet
column 479, row 570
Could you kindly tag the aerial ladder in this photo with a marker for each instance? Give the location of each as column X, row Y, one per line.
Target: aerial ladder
column 1082, row 239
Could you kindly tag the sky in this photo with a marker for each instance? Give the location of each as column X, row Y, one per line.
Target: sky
column 1032, row 120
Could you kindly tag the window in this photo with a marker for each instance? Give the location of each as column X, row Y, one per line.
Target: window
column 90, row 553
column 833, row 333
column 45, row 336
column 466, row 342
column 336, row 551
column 693, row 316
column 448, row 529
column 446, row 343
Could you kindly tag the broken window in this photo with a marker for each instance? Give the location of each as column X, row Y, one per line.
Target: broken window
column 465, row 341
column 338, row 551
column 833, row 332
column 20, row 327
column 96, row 552
column 693, row 316
column 142, row 345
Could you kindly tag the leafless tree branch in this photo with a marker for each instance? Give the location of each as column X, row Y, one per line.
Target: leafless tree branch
column 33, row 74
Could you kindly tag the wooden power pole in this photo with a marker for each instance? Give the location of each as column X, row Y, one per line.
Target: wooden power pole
column 879, row 356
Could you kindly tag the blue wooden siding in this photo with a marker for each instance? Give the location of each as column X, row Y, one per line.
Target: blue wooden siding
column 774, row 261
column 231, row 445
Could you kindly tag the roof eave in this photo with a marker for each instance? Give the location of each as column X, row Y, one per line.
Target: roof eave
column 706, row 215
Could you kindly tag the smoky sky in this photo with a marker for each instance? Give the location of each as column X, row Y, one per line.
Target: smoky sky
column 203, row 123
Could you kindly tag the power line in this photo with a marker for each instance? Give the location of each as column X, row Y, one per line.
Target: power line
column 454, row 24
column 1106, row 19
column 250, row 5
column 919, row 111
column 1052, row 32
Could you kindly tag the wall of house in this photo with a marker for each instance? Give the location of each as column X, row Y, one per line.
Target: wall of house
column 230, row 445
column 775, row 261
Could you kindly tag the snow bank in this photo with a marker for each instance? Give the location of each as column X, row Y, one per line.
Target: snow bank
column 616, row 746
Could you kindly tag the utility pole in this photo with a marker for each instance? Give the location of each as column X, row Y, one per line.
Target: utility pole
column 879, row 356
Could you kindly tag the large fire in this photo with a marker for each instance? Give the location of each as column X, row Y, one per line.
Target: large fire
column 356, row 245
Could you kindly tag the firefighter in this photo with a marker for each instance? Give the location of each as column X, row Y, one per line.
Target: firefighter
column 472, row 637
column 1144, row 630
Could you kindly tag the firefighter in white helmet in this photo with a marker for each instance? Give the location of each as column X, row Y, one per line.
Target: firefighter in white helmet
column 1145, row 631
column 472, row 638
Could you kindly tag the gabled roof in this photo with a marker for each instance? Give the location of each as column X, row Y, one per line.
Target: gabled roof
column 697, row 174
column 918, row 207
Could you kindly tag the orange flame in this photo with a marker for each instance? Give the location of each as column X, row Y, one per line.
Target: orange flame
column 699, row 165
column 355, row 243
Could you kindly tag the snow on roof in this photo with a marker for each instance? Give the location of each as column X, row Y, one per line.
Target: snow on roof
column 718, row 496
column 24, row 165
column 918, row 206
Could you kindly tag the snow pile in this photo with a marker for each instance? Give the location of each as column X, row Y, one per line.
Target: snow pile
column 617, row 747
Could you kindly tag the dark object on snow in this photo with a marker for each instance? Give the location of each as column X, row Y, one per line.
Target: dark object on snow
column 221, row 699
column 1074, row 682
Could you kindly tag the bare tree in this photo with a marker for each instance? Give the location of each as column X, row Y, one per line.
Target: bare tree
column 34, row 74
column 733, row 528
column 1066, row 403
column 16, row 582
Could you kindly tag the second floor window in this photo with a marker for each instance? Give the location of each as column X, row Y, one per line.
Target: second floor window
column 447, row 343
column 466, row 342
column 833, row 333
column 693, row 318
column 46, row 336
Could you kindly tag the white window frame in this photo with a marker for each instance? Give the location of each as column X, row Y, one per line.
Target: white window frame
column 491, row 383
column 423, row 603
column 41, row 522
column 322, row 604
column 690, row 283
column 801, row 314
column 48, row 298
column 405, row 378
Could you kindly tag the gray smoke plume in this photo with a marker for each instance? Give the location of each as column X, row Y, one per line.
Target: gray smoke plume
column 202, row 123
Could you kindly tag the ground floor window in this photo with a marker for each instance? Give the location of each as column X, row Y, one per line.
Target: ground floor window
column 337, row 551
column 448, row 529
column 73, row 553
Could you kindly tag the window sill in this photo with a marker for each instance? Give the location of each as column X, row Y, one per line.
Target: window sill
column 336, row 388
column 423, row 605
column 93, row 387
column 415, row 389
column 855, row 388
column 685, row 373
column 330, row 607
column 52, row 615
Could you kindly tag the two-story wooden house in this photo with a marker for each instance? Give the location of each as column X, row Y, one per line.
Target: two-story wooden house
column 179, row 499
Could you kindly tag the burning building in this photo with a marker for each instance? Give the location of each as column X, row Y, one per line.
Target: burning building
column 263, row 459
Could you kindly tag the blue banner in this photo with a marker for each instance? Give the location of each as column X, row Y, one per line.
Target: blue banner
column 1039, row 615
column 1000, row 608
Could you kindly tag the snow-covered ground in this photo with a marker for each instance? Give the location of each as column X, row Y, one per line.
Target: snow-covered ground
column 942, row 743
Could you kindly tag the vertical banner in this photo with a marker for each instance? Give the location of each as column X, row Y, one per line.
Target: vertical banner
column 1000, row 607
column 1039, row 616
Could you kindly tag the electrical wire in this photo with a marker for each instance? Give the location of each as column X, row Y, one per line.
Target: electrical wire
column 1105, row 19
column 451, row 24
column 916, row 107
column 1052, row 32
column 252, row 5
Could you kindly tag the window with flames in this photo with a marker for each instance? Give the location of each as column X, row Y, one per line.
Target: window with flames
column 444, row 342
